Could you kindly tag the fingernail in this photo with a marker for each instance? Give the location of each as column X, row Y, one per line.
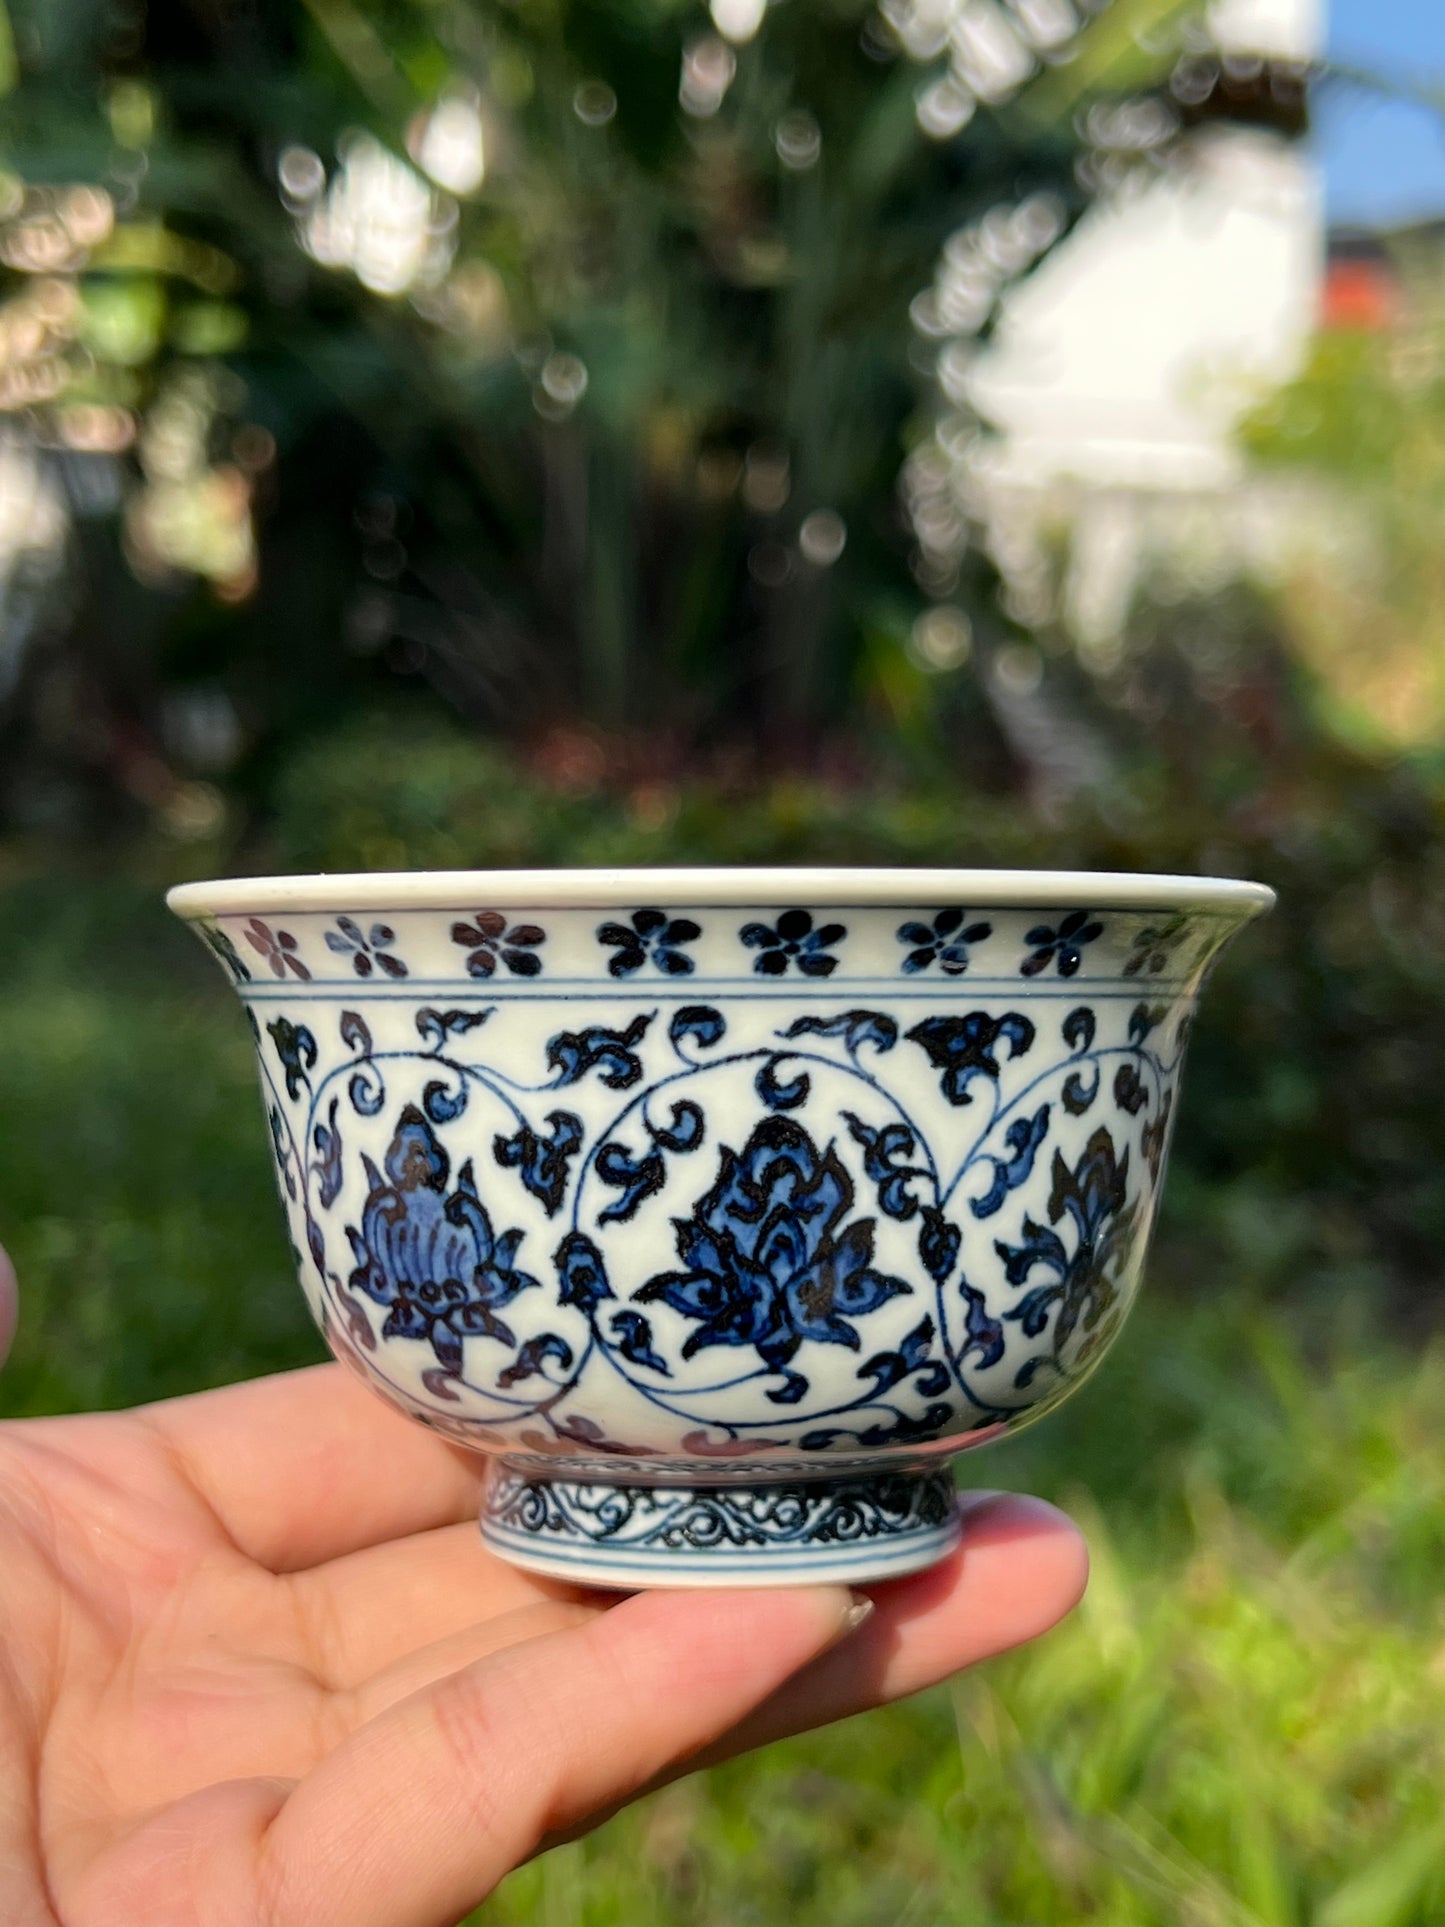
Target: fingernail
column 855, row 1614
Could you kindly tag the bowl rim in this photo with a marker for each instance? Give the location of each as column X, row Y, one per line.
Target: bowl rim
column 718, row 887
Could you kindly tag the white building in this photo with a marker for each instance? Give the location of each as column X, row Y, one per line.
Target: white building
column 1119, row 369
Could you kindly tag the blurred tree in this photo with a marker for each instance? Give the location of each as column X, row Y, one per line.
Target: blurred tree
column 561, row 355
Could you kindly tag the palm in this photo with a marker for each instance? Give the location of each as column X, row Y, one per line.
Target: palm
column 255, row 1666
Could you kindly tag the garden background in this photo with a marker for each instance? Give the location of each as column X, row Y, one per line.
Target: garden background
column 503, row 432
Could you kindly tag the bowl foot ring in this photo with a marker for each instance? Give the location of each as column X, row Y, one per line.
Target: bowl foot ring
column 781, row 1533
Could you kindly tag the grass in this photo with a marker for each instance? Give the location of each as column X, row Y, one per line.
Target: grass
column 1244, row 1725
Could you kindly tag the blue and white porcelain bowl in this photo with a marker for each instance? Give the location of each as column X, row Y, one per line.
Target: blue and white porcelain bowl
column 721, row 1207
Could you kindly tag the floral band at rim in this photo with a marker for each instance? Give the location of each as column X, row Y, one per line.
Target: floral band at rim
column 943, row 940
column 775, row 1258
column 278, row 948
column 490, row 939
column 651, row 936
column 495, row 947
column 1062, row 944
column 366, row 950
column 793, row 939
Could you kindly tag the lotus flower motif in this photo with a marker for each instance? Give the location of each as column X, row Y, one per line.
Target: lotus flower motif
column 768, row 1262
column 432, row 1257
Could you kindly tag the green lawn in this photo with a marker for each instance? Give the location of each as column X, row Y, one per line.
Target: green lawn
column 1244, row 1724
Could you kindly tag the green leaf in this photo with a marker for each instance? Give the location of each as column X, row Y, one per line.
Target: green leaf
column 1390, row 1889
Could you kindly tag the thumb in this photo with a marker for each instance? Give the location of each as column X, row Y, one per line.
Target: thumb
column 419, row 1814
column 9, row 1304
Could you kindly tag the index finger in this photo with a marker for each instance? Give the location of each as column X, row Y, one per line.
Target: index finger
column 306, row 1466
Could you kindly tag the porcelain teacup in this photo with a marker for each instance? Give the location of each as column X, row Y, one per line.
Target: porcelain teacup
column 721, row 1207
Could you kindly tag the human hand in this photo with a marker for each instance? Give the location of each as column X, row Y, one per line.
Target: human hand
column 8, row 1304
column 258, row 1670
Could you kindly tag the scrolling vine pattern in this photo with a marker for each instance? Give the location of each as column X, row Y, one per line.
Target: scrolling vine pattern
column 700, row 1518
column 777, row 1256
